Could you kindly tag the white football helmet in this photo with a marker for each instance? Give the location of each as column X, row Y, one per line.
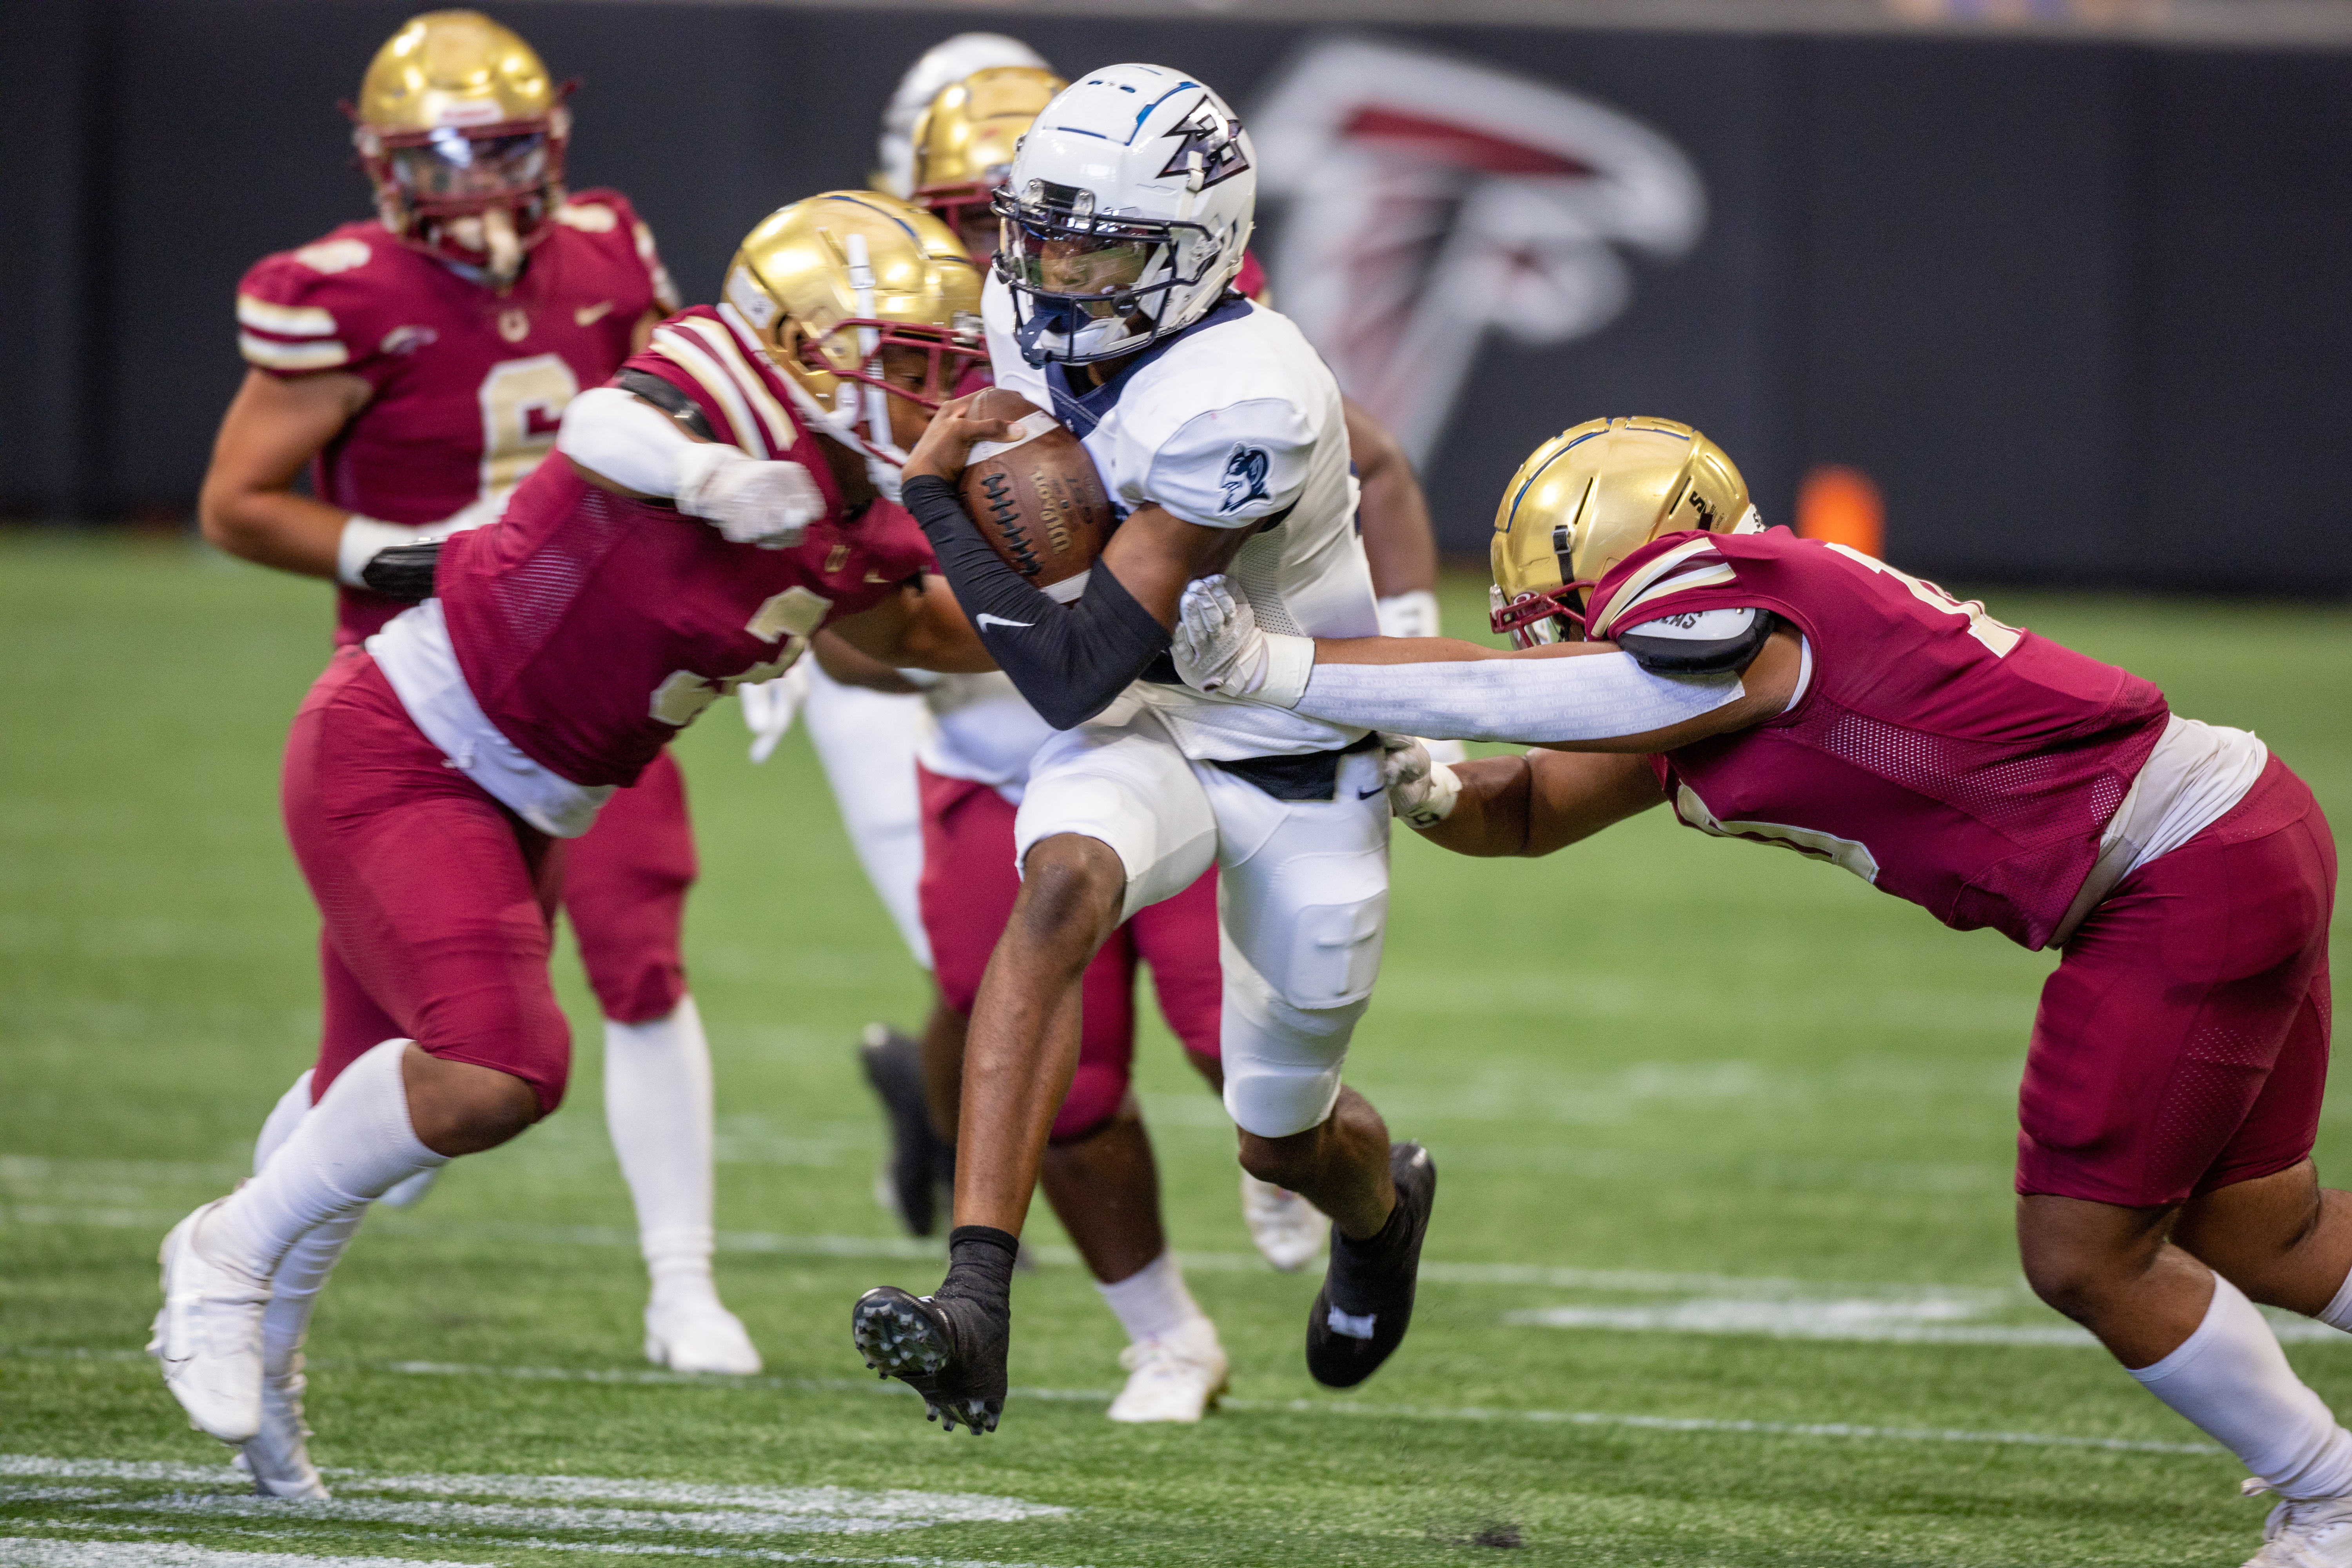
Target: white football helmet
column 942, row 65
column 1128, row 210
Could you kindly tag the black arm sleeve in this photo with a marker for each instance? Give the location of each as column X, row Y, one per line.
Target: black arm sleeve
column 1069, row 660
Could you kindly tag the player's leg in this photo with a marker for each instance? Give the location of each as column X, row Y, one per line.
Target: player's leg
column 1303, row 894
column 624, row 889
column 1178, row 938
column 1103, row 1183
column 2171, row 1098
column 866, row 741
column 1112, row 820
column 453, row 945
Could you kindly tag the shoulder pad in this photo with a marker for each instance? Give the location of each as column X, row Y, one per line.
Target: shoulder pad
column 1698, row 642
column 304, row 310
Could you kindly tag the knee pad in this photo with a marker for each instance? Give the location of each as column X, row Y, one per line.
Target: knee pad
column 1281, row 1061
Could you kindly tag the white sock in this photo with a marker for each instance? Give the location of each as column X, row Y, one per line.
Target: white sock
column 1152, row 1304
column 351, row 1146
column 284, row 1117
column 302, row 1272
column 2338, row 1313
column 2230, row 1379
column 657, row 1106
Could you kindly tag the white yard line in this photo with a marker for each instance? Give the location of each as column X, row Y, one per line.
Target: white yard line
column 35, row 1552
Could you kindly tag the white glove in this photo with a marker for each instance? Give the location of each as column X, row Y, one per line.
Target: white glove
column 770, row 706
column 1411, row 614
column 363, row 537
column 751, row 501
column 1422, row 792
column 1448, row 752
column 1220, row 648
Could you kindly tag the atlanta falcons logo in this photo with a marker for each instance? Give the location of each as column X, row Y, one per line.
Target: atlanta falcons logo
column 1432, row 199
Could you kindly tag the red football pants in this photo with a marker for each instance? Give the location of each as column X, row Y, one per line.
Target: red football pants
column 2181, row 1045
column 437, row 901
column 969, row 884
column 624, row 883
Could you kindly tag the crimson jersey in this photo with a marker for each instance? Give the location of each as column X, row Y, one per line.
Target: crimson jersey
column 592, row 629
column 1944, row 757
column 468, row 384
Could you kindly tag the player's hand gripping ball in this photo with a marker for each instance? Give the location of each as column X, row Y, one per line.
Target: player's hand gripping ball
column 1034, row 493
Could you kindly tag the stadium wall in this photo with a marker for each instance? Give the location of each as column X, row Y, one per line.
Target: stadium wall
column 2081, row 308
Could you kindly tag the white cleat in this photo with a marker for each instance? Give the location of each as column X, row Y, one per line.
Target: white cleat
column 1288, row 1230
column 695, row 1333
column 1172, row 1377
column 208, row 1335
column 278, row 1457
column 409, row 1191
column 2312, row 1534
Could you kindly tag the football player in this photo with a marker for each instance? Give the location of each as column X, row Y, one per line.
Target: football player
column 1804, row 695
column 1220, row 435
column 958, row 155
column 723, row 499
column 417, row 364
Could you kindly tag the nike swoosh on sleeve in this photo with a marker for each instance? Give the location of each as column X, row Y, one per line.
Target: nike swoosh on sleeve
column 985, row 620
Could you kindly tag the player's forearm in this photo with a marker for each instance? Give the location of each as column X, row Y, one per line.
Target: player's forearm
column 1601, row 699
column 273, row 528
column 1069, row 660
column 1489, row 817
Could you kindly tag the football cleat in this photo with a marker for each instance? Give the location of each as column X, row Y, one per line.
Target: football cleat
column 2315, row 1534
column 915, row 1339
column 278, row 1457
column 208, row 1335
column 908, row 1183
column 1288, row 1230
column 1172, row 1377
column 695, row 1333
column 1366, row 1303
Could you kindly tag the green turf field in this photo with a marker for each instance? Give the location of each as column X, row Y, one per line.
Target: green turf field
column 1720, row 1272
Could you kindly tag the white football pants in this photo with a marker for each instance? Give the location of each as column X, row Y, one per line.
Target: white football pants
column 1302, row 892
column 865, row 740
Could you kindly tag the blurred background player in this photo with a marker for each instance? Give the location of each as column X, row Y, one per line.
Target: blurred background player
column 720, row 502
column 954, row 155
column 418, row 363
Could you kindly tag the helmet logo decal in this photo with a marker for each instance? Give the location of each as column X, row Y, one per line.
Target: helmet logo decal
column 1244, row 477
column 1430, row 200
column 1216, row 139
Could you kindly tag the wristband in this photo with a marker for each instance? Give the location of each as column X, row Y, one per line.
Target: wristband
column 1289, row 661
column 361, row 539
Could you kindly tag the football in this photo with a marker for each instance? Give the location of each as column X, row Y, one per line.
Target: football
column 1036, row 497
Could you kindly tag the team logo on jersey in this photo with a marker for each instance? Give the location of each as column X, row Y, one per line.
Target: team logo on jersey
column 407, row 339
column 1217, row 139
column 514, row 323
column 1244, row 477
column 1432, row 200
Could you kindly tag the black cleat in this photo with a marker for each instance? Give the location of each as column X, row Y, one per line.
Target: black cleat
column 1366, row 1303
column 915, row 1339
column 919, row 1159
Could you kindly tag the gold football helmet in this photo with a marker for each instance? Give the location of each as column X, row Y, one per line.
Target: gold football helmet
column 832, row 284
column 1589, row 497
column 964, row 144
column 463, row 133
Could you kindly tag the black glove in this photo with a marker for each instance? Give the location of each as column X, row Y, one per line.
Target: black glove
column 403, row 572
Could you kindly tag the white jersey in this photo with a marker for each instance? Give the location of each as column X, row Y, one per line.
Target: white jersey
column 1234, row 423
column 978, row 727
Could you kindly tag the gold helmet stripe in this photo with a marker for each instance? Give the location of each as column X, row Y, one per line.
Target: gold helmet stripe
column 689, row 356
